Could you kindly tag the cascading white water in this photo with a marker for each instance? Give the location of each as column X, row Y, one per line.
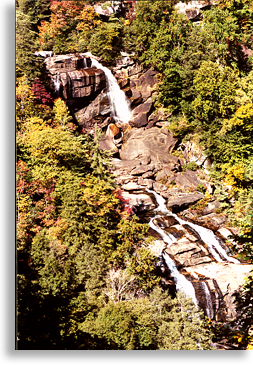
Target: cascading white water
column 168, row 238
column 84, row 62
column 205, row 234
column 182, row 284
column 209, row 304
column 119, row 102
column 57, row 83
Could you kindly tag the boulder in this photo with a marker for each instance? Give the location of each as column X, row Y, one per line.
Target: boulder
column 165, row 222
column 139, row 116
column 129, row 71
column 145, row 182
column 147, row 83
column 148, row 142
column 184, row 201
column 108, row 144
column 157, row 247
column 188, row 250
column 142, row 169
column 187, row 179
column 159, row 188
column 135, row 97
column 124, row 165
column 139, row 202
column 112, row 130
column 211, row 207
column 100, row 108
column 131, row 186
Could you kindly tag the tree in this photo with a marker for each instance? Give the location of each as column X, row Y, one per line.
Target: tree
column 26, row 61
column 154, row 322
column 106, row 42
column 40, row 93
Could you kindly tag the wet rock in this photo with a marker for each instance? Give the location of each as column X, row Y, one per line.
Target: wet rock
column 165, row 222
column 75, row 81
column 223, row 279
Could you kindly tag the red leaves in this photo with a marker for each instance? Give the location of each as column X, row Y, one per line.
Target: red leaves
column 40, row 93
column 124, row 202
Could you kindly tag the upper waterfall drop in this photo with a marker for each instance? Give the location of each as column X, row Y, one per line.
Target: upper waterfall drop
column 119, row 102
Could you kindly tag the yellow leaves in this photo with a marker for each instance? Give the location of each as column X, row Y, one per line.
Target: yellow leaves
column 23, row 90
column 243, row 117
column 234, row 175
column 88, row 19
column 61, row 112
column 97, row 198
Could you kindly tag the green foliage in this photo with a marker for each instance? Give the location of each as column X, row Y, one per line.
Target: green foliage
column 156, row 322
column 106, row 42
column 201, row 188
column 190, row 166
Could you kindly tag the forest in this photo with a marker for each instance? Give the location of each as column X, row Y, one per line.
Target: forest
column 85, row 277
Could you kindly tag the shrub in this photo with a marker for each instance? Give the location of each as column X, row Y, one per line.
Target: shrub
column 201, row 188
column 190, row 166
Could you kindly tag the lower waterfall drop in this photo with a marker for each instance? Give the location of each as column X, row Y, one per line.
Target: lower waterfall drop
column 209, row 304
column 182, row 284
column 205, row 234
column 119, row 102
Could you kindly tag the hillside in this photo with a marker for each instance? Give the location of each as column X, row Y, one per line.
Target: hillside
column 134, row 129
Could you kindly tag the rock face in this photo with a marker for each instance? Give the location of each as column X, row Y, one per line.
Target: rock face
column 74, row 78
column 223, row 280
column 192, row 8
column 139, row 202
column 183, row 201
column 150, row 142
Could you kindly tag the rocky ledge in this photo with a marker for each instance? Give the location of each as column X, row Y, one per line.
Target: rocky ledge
column 74, row 79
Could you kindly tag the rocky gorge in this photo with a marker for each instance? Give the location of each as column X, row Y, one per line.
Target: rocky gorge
column 150, row 167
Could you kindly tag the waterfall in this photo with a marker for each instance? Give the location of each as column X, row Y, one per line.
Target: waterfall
column 120, row 105
column 209, row 304
column 84, row 62
column 182, row 284
column 168, row 238
column 57, row 83
column 205, row 234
